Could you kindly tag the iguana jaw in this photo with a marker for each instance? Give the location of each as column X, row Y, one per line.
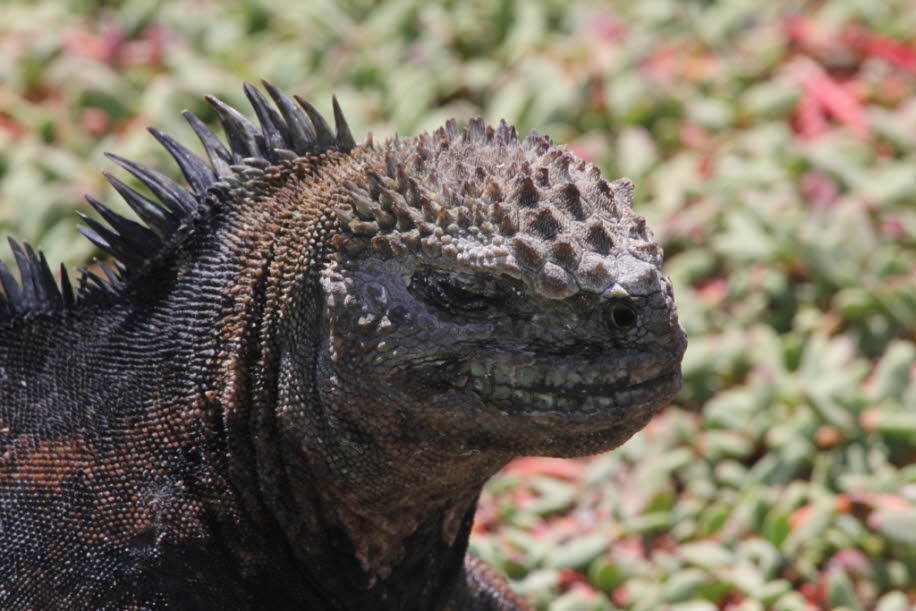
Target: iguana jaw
column 575, row 404
column 539, row 396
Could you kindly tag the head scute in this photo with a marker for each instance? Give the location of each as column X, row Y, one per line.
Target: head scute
column 478, row 196
column 285, row 131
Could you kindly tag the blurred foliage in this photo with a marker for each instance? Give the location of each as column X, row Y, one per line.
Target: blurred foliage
column 773, row 146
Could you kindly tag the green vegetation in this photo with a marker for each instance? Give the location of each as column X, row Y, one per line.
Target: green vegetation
column 774, row 154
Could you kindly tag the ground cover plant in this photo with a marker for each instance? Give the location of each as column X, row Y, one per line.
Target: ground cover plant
column 773, row 146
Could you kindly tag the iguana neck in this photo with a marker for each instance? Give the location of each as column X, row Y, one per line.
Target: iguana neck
column 401, row 508
column 328, row 477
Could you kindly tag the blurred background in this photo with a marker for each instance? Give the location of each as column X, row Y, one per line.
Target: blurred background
column 773, row 146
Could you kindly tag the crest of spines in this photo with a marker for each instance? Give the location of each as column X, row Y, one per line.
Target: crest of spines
column 288, row 129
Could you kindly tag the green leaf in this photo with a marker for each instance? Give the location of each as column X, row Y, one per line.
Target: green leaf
column 577, row 601
column 553, row 496
column 892, row 374
column 606, row 574
column 707, row 555
column 841, row 592
column 899, row 526
column 683, row 585
column 893, row 601
column 578, row 553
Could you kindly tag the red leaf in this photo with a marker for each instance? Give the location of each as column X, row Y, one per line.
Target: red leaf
column 810, row 120
column 572, row 577
column 814, row 593
column 820, row 190
column 713, row 291
column 621, row 596
column 831, row 96
column 694, row 135
column 95, row 120
column 12, row 127
column 543, row 465
column 851, row 560
column 874, row 45
column 801, row 30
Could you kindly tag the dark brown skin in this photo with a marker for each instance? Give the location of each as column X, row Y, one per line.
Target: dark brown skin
column 293, row 391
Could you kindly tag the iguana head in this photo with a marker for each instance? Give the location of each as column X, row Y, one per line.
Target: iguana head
column 498, row 292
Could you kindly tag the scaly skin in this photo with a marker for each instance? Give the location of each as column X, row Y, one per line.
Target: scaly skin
column 292, row 393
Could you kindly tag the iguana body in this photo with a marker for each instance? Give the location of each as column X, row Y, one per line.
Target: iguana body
column 293, row 384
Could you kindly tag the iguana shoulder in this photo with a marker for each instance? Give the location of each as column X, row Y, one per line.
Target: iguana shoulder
column 291, row 381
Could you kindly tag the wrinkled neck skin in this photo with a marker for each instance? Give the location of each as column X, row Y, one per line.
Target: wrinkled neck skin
column 367, row 485
column 373, row 509
column 375, row 512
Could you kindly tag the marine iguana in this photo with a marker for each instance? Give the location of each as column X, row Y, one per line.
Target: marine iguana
column 289, row 386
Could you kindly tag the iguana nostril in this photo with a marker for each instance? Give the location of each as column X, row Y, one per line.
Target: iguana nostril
column 621, row 315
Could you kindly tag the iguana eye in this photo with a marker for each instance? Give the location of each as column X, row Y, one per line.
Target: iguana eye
column 463, row 294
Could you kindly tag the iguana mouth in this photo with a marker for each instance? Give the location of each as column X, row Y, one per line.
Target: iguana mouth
column 577, row 386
